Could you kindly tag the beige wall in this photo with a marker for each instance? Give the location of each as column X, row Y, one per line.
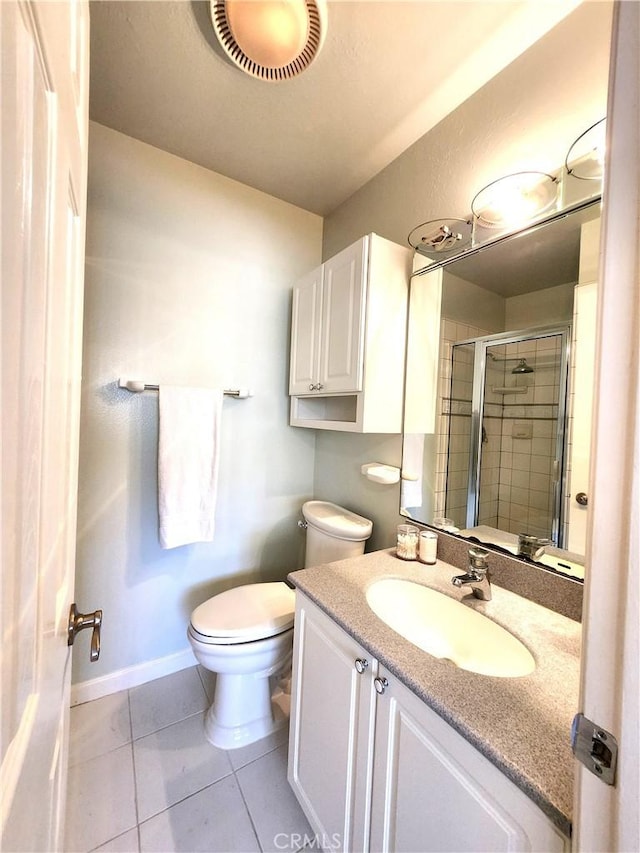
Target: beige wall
column 518, row 120
column 464, row 302
column 540, row 308
column 188, row 281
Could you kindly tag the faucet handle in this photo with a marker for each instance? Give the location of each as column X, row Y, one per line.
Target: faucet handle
column 531, row 546
column 478, row 559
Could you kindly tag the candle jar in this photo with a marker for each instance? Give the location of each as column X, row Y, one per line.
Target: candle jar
column 407, row 542
column 428, row 547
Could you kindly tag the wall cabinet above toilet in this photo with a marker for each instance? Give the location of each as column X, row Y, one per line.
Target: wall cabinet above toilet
column 348, row 339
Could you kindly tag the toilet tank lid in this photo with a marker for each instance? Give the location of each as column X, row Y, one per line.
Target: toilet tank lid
column 251, row 611
column 337, row 521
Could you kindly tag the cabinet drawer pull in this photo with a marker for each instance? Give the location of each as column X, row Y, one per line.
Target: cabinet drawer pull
column 380, row 684
column 361, row 664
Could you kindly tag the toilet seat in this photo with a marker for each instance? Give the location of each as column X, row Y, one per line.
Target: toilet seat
column 246, row 613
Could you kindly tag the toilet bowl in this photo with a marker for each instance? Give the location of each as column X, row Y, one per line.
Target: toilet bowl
column 245, row 635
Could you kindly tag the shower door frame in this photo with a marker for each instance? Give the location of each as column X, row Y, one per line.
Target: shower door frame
column 481, row 345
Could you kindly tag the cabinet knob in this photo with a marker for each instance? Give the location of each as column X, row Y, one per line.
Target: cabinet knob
column 361, row 664
column 582, row 499
column 380, row 684
column 312, row 387
column 319, row 386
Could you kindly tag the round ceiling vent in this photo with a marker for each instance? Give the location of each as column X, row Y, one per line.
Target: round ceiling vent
column 272, row 40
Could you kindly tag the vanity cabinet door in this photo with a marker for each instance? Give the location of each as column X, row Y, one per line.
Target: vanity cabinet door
column 331, row 733
column 432, row 791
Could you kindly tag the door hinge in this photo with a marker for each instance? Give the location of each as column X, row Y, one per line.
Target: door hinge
column 595, row 747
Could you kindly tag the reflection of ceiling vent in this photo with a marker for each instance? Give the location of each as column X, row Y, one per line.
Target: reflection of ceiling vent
column 272, row 40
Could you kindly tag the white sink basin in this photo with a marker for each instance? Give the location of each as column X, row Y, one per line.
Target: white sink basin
column 447, row 629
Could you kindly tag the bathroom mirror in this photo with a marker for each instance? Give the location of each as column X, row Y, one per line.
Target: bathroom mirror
column 498, row 390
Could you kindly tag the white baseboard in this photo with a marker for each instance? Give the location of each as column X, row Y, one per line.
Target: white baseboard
column 130, row 676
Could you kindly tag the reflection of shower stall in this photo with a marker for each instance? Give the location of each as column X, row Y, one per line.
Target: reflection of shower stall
column 507, row 427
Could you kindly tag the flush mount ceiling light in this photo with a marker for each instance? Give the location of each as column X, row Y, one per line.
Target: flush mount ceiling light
column 441, row 238
column 515, row 199
column 271, row 40
column 585, row 158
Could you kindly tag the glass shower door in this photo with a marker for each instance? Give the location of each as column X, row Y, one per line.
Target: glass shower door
column 514, row 432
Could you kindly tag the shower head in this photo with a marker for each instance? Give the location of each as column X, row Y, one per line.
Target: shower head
column 522, row 367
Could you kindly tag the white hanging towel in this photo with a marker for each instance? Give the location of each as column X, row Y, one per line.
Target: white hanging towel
column 188, row 461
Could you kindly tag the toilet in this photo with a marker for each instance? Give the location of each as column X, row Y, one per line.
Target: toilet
column 245, row 635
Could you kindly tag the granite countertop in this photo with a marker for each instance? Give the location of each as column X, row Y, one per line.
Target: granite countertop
column 522, row 725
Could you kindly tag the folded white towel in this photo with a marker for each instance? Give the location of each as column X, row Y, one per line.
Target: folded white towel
column 188, row 461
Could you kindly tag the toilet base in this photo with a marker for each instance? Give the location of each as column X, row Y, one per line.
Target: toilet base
column 234, row 736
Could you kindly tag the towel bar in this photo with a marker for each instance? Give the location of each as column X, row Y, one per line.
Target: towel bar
column 136, row 386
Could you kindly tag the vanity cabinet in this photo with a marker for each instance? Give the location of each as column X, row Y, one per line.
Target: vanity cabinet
column 374, row 768
column 348, row 339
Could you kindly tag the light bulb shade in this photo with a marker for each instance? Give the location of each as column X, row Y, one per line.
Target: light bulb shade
column 272, row 32
column 272, row 40
column 585, row 158
column 441, row 238
column 515, row 200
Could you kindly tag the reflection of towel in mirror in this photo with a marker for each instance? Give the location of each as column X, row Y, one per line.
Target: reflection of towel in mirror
column 188, row 460
column 412, row 466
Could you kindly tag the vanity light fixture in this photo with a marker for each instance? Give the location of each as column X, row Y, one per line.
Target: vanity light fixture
column 271, row 40
column 515, row 199
column 441, row 238
column 585, row 158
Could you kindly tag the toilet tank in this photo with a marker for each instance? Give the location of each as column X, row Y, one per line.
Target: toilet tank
column 333, row 533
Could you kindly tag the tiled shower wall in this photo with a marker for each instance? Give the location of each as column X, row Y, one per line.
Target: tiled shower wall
column 528, row 440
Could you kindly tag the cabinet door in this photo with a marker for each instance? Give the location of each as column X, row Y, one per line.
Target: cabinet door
column 343, row 318
column 432, row 791
column 305, row 333
column 331, row 736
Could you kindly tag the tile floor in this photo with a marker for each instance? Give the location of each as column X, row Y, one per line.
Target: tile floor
column 142, row 777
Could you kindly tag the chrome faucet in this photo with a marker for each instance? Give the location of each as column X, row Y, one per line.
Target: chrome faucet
column 531, row 546
column 477, row 576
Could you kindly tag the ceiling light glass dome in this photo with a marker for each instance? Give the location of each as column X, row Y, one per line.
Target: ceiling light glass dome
column 271, row 40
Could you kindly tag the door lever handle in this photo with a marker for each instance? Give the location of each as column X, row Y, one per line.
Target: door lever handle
column 78, row 622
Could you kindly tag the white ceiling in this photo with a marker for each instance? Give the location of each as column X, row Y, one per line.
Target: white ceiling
column 388, row 72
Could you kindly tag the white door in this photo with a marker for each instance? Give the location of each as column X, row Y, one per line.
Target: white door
column 44, row 143
column 606, row 817
column 343, row 317
column 330, row 742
